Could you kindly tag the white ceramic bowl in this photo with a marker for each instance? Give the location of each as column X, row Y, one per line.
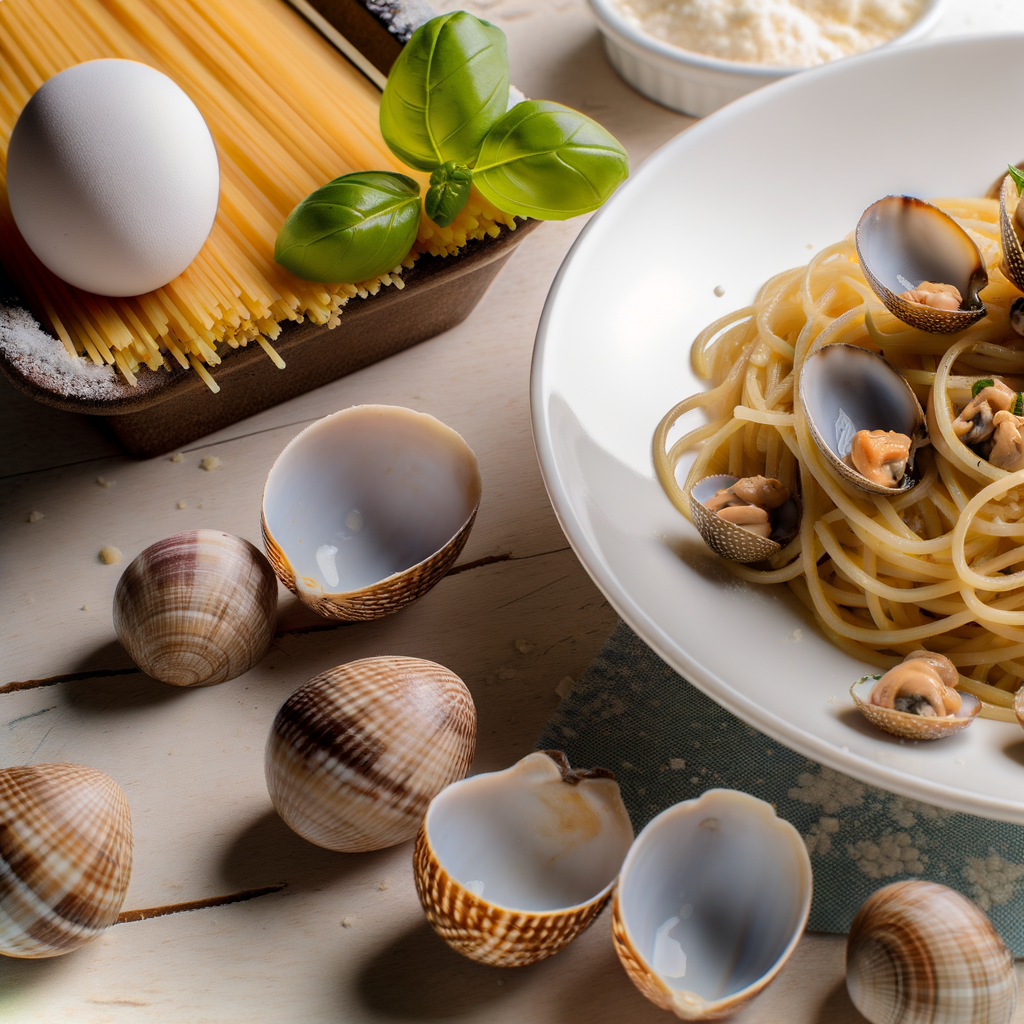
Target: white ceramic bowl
column 694, row 83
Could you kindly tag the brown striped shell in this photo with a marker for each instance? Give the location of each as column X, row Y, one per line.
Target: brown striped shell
column 368, row 508
column 355, row 756
column 907, row 725
column 901, row 242
column 197, row 608
column 711, row 902
column 511, row 866
column 919, row 953
column 1011, row 233
column 65, row 857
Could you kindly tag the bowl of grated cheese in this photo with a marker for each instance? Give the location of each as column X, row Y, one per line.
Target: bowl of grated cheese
column 695, row 56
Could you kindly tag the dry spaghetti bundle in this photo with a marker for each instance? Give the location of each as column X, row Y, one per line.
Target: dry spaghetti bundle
column 287, row 113
column 939, row 566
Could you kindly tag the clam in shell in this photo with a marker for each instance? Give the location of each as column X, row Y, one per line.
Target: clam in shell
column 712, row 900
column 511, row 866
column 1011, row 232
column 355, row 756
column 919, row 953
column 912, row 724
column 734, row 542
column 845, row 390
column 197, row 608
column 65, row 857
column 367, row 509
column 904, row 243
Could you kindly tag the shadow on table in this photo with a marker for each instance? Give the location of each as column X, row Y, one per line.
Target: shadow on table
column 267, row 851
column 19, row 977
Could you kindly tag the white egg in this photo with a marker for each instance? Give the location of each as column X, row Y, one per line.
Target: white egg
column 113, row 177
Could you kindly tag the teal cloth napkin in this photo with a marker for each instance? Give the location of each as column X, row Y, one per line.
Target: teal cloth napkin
column 666, row 741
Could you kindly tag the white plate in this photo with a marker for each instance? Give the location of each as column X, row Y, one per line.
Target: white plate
column 746, row 193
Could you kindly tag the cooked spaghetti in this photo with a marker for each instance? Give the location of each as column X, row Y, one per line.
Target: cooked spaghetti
column 940, row 566
column 287, row 112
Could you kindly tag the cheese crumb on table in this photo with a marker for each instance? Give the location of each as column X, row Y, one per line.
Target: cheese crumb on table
column 177, row 457
column 180, row 504
column 34, row 517
column 109, row 555
column 210, row 463
column 105, row 483
column 780, row 33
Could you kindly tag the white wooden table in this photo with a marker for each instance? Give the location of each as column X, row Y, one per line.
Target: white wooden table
column 245, row 921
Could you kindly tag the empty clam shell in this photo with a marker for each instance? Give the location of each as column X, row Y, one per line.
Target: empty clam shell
column 65, row 857
column 356, row 755
column 907, row 725
column 712, row 899
column 844, row 389
column 366, row 509
column 919, row 953
column 903, row 242
column 1011, row 233
column 732, row 541
column 511, row 866
column 197, row 608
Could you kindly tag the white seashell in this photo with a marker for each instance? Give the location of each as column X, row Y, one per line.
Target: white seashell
column 356, row 755
column 903, row 241
column 197, row 608
column 367, row 509
column 919, row 953
column 711, row 901
column 511, row 866
column 844, row 389
column 65, row 857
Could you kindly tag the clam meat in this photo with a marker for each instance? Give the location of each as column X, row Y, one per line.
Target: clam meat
column 920, row 953
column 511, row 866
column 917, row 699
column 746, row 519
column 923, row 266
column 712, row 900
column 992, row 424
column 864, row 417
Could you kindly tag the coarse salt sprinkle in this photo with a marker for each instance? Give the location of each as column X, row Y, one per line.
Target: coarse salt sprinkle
column 782, row 33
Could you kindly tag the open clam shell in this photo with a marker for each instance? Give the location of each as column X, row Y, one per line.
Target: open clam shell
column 920, row 953
column 712, row 900
column 1011, row 233
column 65, row 857
column 901, row 242
column 367, row 509
column 907, row 725
column 732, row 541
column 844, row 389
column 511, row 866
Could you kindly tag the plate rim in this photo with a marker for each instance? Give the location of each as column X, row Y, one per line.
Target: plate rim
column 672, row 653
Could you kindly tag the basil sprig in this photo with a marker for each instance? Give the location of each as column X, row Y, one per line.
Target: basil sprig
column 550, row 162
column 353, row 228
column 448, row 86
column 444, row 107
column 1018, row 177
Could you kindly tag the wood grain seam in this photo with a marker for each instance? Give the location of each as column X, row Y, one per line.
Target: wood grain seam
column 68, row 677
column 131, row 916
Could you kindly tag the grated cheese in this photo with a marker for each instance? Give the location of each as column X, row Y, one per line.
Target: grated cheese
column 786, row 33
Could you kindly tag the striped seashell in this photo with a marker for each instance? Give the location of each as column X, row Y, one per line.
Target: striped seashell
column 356, row 755
column 712, row 900
column 1010, row 233
column 511, row 866
column 367, row 509
column 65, row 857
column 197, row 608
column 919, row 953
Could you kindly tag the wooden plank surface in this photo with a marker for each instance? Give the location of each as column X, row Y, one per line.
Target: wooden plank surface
column 268, row 927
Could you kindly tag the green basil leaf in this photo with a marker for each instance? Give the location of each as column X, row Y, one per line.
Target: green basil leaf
column 547, row 161
column 445, row 91
column 448, row 193
column 1018, row 405
column 353, row 228
column 980, row 385
column 1018, row 178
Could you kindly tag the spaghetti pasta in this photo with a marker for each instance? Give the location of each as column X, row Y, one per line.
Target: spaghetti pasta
column 287, row 112
column 939, row 566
